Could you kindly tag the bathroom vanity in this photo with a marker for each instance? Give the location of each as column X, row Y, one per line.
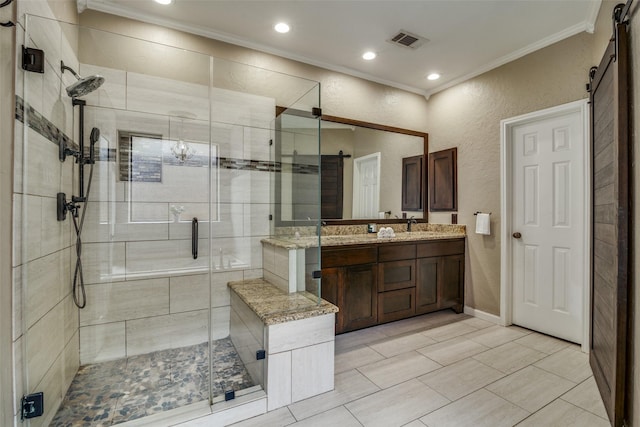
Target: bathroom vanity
column 374, row 281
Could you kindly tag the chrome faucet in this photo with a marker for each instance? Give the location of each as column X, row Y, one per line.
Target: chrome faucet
column 409, row 222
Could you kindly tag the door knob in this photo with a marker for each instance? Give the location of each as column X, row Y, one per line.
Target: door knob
column 517, row 235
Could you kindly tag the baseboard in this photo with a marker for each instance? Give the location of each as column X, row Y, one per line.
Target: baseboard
column 482, row 315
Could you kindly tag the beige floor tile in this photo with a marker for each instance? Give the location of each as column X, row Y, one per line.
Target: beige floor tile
column 335, row 417
column 349, row 386
column 509, row 357
column 278, row 418
column 479, row 409
column 421, row 323
column 397, row 405
column 531, row 388
column 494, row 336
column 397, row 369
column 563, row 414
column 543, row 343
column 358, row 338
column 568, row 363
column 458, row 380
column 446, row 332
column 394, row 346
column 355, row 357
column 478, row 323
column 453, row 350
column 586, row 396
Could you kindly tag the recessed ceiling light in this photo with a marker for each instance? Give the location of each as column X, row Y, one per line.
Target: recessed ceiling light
column 368, row 55
column 281, row 28
column 164, row 1
column 433, row 76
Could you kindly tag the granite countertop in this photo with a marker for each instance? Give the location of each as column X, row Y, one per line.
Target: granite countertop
column 360, row 239
column 272, row 305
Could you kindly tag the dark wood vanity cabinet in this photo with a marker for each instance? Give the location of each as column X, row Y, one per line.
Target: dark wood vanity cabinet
column 396, row 282
column 349, row 280
column 374, row 284
column 440, row 276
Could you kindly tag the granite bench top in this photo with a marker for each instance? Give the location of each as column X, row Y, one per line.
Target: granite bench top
column 272, row 305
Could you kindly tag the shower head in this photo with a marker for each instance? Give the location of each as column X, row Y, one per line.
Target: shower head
column 93, row 138
column 84, row 85
column 95, row 135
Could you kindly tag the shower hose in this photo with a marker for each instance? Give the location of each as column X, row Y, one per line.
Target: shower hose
column 79, row 293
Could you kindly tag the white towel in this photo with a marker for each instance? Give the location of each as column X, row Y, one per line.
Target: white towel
column 483, row 224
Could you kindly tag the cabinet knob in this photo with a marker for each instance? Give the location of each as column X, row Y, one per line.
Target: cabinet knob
column 517, row 235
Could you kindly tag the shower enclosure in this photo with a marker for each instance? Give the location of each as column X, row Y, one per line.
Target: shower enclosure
column 182, row 192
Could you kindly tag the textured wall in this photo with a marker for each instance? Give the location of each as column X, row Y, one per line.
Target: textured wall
column 468, row 116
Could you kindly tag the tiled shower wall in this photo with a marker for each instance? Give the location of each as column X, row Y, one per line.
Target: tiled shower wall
column 145, row 291
column 45, row 326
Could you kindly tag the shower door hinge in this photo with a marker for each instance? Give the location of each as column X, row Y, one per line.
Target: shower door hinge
column 316, row 112
column 317, row 274
column 229, row 395
column 32, row 405
column 260, row 354
column 270, row 142
column 32, row 59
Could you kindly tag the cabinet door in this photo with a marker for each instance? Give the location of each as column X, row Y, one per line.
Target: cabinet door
column 396, row 275
column 358, row 294
column 330, row 290
column 452, row 282
column 395, row 305
column 427, row 278
column 412, row 179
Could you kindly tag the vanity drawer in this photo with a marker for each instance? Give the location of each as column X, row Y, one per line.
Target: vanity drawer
column 441, row 248
column 351, row 256
column 391, row 252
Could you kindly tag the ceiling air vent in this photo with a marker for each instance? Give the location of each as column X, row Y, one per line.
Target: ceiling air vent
column 406, row 39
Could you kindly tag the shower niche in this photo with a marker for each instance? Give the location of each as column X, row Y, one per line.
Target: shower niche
column 172, row 192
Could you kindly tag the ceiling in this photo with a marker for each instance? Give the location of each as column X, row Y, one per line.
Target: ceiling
column 465, row 37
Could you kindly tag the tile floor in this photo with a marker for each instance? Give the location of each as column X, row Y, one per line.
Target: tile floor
column 444, row 369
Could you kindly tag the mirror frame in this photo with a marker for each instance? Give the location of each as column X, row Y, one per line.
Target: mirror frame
column 368, row 125
column 425, row 165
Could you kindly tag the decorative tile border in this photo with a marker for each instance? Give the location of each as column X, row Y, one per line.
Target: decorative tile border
column 48, row 130
column 41, row 124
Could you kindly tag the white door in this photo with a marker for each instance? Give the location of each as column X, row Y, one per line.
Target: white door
column 548, row 234
column 366, row 186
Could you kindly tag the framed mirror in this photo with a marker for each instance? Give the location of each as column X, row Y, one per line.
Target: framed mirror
column 363, row 171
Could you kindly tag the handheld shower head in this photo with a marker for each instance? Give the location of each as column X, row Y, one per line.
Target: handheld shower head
column 84, row 85
column 95, row 135
column 93, row 138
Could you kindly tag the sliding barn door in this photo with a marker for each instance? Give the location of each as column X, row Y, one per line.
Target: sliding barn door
column 610, row 258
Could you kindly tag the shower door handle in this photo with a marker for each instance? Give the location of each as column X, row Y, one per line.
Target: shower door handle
column 194, row 238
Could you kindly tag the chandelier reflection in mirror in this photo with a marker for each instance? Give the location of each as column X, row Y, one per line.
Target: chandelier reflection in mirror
column 181, row 149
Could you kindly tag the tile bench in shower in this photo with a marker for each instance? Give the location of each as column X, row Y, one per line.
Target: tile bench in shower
column 297, row 334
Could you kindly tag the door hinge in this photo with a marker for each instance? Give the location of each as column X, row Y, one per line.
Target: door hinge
column 33, row 60
column 229, row 395
column 260, row 354
column 32, row 405
column 316, row 274
column 316, row 112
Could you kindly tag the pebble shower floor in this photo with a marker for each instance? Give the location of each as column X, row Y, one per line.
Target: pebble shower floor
column 114, row 392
